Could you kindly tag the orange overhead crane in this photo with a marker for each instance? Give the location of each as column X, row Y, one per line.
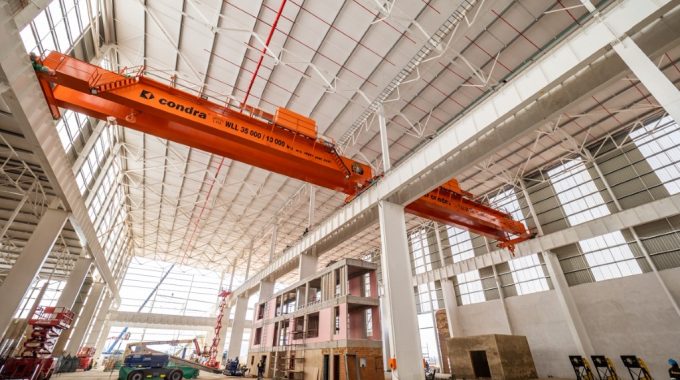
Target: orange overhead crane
column 285, row 143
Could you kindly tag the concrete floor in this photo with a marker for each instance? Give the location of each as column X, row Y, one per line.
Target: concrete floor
column 100, row 375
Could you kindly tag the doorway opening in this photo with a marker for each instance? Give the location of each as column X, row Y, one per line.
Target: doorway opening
column 480, row 364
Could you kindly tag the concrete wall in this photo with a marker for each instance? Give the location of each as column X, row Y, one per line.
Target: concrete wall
column 622, row 316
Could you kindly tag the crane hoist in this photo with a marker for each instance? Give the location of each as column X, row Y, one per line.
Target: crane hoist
column 285, row 142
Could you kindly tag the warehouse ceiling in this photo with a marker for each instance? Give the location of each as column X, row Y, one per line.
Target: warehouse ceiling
column 429, row 61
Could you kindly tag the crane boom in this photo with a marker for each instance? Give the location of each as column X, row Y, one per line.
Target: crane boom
column 285, row 143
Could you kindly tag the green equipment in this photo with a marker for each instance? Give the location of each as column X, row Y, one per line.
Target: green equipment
column 153, row 366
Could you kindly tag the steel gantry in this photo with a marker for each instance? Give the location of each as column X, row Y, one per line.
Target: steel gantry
column 285, row 143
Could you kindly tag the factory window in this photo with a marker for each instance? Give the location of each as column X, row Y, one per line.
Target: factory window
column 368, row 316
column 420, row 250
column 260, row 310
column 528, row 274
column 258, row 336
column 58, row 26
column 50, row 297
column 527, row 271
column 313, row 325
column 367, row 284
column 69, row 128
column 507, row 201
column 659, row 143
column 94, row 160
column 186, row 291
column 470, row 287
column 461, row 244
column 426, row 298
column 428, row 338
column 608, row 256
column 336, row 312
column 576, row 190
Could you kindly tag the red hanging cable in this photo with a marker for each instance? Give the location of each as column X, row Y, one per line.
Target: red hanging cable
column 264, row 51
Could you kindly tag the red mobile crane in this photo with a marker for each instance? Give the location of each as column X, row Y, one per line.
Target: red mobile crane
column 213, row 361
column 285, row 143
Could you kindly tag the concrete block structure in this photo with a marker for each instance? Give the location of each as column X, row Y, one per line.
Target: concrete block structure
column 324, row 326
column 491, row 356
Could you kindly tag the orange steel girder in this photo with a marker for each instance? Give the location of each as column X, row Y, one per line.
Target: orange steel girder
column 287, row 145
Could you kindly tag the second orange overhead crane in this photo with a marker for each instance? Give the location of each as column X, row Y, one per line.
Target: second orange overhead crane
column 285, row 143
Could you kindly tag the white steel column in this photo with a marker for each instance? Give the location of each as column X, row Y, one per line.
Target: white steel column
column 397, row 274
column 564, row 297
column 236, row 339
column 100, row 344
column 448, row 291
column 75, row 282
column 85, row 319
column 499, row 287
column 384, row 142
column 99, row 332
column 451, row 305
column 568, row 305
column 307, row 266
column 502, row 298
column 28, row 263
column 658, row 84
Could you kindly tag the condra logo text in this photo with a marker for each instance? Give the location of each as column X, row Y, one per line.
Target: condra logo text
column 169, row 103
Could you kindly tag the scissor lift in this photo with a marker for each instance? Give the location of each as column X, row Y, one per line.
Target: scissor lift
column 36, row 361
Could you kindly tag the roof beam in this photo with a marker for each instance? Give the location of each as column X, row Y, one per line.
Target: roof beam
column 439, row 160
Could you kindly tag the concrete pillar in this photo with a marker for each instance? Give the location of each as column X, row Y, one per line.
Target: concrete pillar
column 100, row 328
column 397, row 273
column 307, row 266
column 100, row 345
column 499, row 286
column 564, row 297
column 568, row 305
column 234, row 349
column 266, row 290
column 76, row 308
column 75, row 283
column 85, row 319
column 28, row 263
column 449, row 293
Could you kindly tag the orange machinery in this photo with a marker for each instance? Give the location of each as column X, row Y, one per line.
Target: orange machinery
column 285, row 143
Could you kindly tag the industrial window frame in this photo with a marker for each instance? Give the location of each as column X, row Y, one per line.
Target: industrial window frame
column 659, row 142
column 608, row 256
